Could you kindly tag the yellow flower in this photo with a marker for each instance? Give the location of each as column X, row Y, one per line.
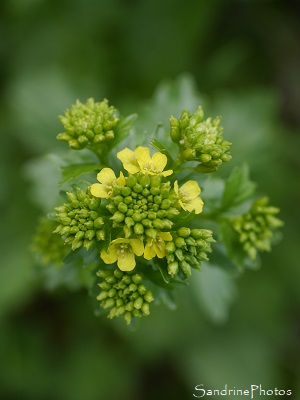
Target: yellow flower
column 188, row 196
column 139, row 160
column 123, row 251
column 156, row 246
column 108, row 180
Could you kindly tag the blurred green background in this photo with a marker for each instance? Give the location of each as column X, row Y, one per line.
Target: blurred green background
column 244, row 59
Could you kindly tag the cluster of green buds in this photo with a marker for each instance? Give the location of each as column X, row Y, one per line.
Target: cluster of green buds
column 144, row 205
column 256, row 227
column 80, row 221
column 124, row 294
column 200, row 140
column 50, row 247
column 188, row 248
column 89, row 124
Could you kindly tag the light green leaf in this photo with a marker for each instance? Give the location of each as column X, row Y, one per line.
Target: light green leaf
column 72, row 171
column 238, row 187
column 123, row 128
column 214, row 289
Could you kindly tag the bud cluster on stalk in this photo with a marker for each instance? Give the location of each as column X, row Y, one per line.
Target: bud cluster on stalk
column 89, row 124
column 188, row 248
column 200, row 140
column 50, row 247
column 144, row 206
column 124, row 294
column 255, row 227
column 80, row 220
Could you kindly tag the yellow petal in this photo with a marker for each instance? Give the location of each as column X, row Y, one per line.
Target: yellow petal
column 137, row 246
column 149, row 251
column 195, row 204
column 106, row 176
column 126, row 262
column 126, row 156
column 121, row 180
column 98, row 190
column 129, row 160
column 159, row 248
column 111, row 256
column 176, row 190
column 167, row 173
column 190, row 189
column 159, row 161
column 165, row 236
column 142, row 154
column 120, row 240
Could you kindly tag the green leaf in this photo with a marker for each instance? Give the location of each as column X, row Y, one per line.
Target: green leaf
column 238, row 188
column 215, row 291
column 183, row 220
column 123, row 128
column 72, row 171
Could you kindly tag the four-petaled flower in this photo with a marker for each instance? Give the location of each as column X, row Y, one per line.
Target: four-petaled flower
column 123, row 251
column 107, row 179
column 139, row 160
column 188, row 196
column 156, row 246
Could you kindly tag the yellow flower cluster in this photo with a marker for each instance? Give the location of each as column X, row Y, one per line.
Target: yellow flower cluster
column 143, row 206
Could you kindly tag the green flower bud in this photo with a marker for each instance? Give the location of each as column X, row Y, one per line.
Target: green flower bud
column 186, row 268
column 170, row 247
column 144, row 180
column 122, row 207
column 137, row 217
column 98, row 222
column 155, row 181
column 138, row 229
column 173, row 268
column 183, row 232
column 131, row 181
column 145, row 309
column 189, row 154
column 138, row 188
column 150, row 232
column 180, row 242
column 126, row 191
column 100, row 234
column 148, row 297
column 138, row 303
column 158, row 224
column 118, row 217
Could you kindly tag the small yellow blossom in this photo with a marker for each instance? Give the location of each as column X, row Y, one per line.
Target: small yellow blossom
column 188, row 196
column 156, row 246
column 123, row 251
column 107, row 179
column 139, row 160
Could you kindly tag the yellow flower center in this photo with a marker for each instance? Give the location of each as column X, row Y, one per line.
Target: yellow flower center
column 149, row 166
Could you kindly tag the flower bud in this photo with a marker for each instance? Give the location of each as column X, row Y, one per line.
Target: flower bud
column 180, row 242
column 183, row 232
column 173, row 268
column 118, row 217
column 138, row 229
